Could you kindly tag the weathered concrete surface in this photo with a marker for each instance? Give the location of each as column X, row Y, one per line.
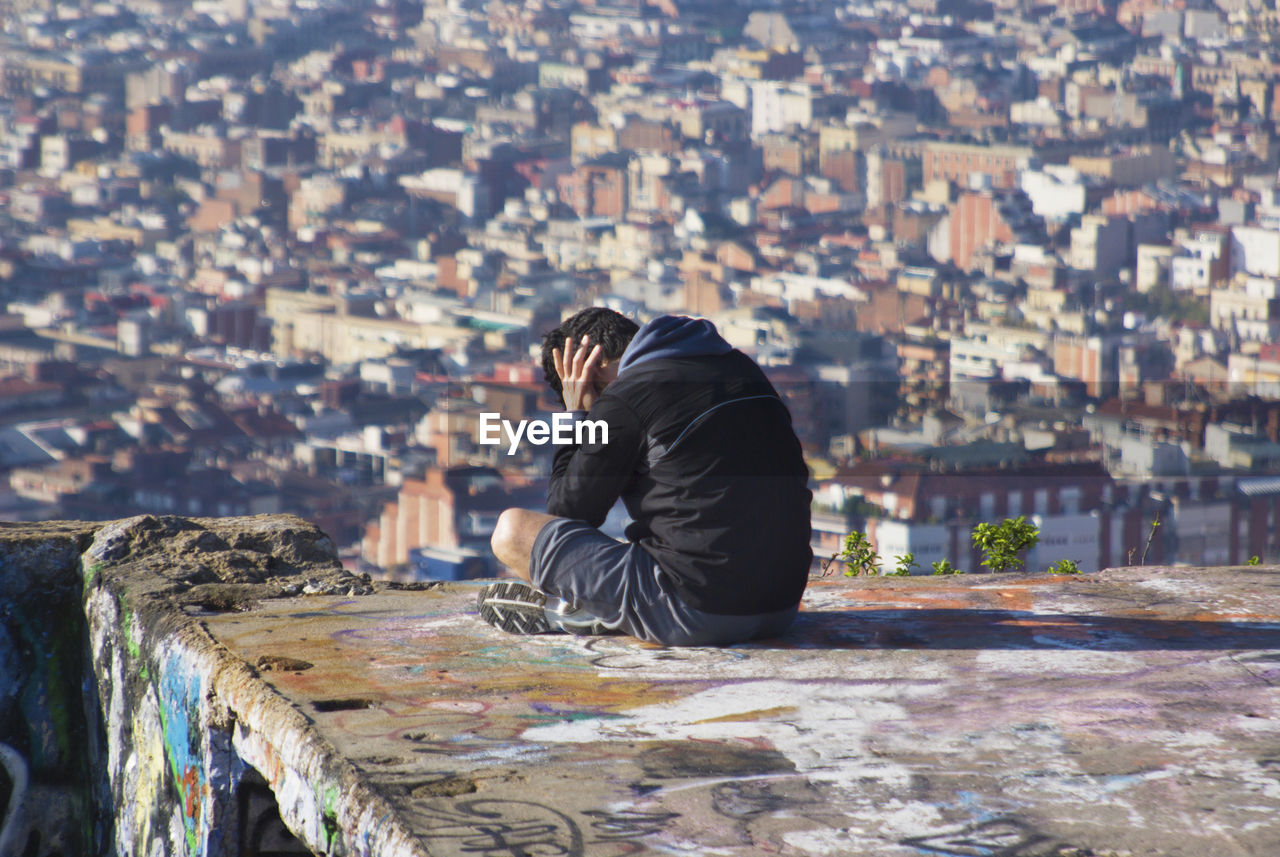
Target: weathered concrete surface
column 119, row 713
column 174, row 702
column 1132, row 712
column 244, row 678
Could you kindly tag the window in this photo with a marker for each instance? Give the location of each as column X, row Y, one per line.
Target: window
column 1069, row 500
column 938, row 507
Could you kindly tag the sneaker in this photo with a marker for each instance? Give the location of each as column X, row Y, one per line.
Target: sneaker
column 519, row 608
column 515, row 607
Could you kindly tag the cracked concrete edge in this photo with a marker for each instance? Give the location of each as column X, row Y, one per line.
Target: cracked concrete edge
column 138, row 600
column 167, row 686
column 38, row 557
column 278, row 741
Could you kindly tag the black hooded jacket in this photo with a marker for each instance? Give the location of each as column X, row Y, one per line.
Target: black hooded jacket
column 701, row 451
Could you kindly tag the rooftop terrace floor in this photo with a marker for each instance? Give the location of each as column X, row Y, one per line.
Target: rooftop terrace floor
column 1131, row 712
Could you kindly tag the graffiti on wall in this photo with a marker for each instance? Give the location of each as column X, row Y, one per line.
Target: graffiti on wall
column 171, row 774
column 177, row 775
column 601, row 747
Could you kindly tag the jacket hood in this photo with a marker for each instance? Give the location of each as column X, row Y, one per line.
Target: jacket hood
column 673, row 336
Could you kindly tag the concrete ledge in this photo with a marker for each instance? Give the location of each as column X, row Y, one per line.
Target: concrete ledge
column 245, row 680
column 187, row 721
column 1131, row 712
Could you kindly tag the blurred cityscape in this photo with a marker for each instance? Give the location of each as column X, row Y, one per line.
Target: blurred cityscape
column 1001, row 258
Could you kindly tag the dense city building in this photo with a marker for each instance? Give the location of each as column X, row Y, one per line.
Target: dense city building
column 1000, row 258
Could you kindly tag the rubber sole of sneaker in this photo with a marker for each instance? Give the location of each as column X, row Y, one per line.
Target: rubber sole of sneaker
column 514, row 607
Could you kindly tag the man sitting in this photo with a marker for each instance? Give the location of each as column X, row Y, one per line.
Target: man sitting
column 701, row 450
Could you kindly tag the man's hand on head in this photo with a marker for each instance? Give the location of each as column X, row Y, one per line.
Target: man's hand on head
column 578, row 368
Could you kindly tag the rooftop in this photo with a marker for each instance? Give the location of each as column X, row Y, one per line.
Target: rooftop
column 1133, row 711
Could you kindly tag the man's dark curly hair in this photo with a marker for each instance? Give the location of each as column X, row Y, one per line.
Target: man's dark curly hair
column 611, row 330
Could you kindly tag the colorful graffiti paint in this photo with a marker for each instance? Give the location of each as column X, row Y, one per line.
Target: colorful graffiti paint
column 204, row 760
column 1125, row 712
column 1020, row 716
